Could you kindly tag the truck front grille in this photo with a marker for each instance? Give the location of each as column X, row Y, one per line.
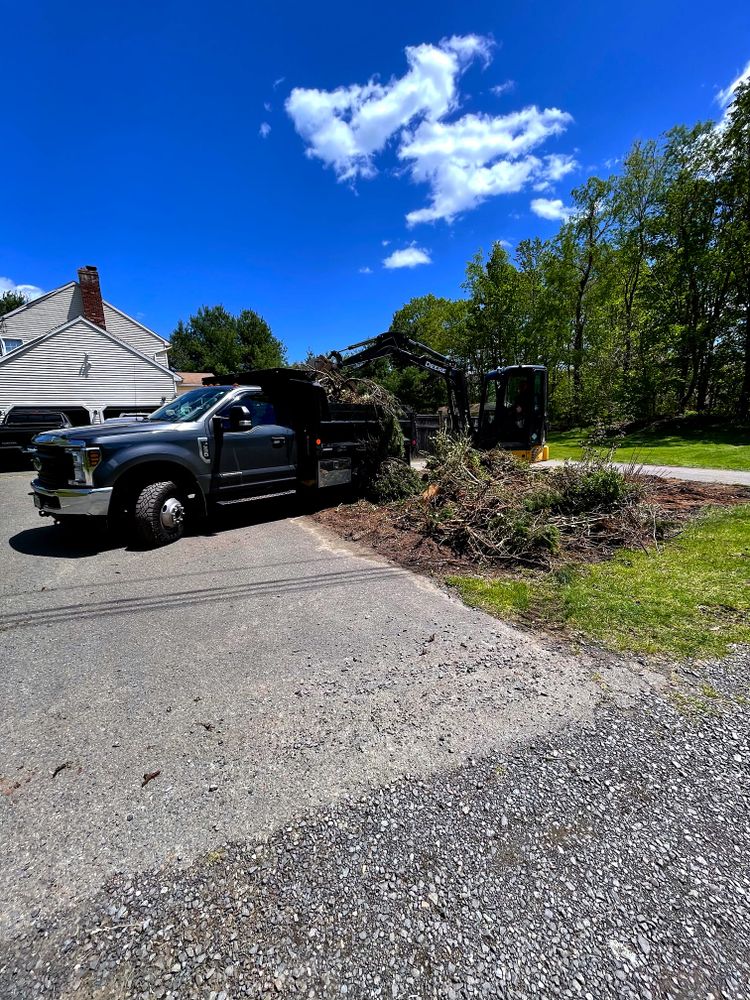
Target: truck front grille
column 55, row 467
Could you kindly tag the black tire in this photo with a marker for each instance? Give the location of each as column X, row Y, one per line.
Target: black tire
column 159, row 514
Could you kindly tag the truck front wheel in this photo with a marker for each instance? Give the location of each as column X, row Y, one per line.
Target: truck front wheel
column 160, row 511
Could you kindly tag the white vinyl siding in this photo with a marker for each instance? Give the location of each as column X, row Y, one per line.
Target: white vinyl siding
column 43, row 315
column 143, row 340
column 64, row 304
column 53, row 373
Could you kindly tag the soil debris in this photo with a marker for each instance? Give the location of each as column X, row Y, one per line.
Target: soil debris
column 485, row 510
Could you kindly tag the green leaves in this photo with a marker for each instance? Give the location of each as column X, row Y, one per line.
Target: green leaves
column 639, row 306
column 214, row 340
column 11, row 300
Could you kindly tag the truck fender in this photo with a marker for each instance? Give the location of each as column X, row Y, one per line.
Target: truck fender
column 167, row 461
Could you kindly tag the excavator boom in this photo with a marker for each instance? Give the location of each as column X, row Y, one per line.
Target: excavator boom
column 394, row 344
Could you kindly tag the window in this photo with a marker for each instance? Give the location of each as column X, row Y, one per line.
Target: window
column 262, row 409
column 10, row 344
column 191, row 405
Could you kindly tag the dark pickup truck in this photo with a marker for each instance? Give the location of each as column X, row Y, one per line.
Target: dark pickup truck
column 268, row 433
column 22, row 424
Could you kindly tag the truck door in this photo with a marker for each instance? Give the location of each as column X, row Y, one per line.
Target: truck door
column 261, row 458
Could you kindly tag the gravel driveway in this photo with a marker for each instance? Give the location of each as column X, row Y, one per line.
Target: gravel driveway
column 364, row 788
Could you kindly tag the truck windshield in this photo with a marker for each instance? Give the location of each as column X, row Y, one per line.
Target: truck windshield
column 191, row 405
column 34, row 417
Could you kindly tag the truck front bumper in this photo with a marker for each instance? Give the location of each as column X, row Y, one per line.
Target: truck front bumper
column 87, row 501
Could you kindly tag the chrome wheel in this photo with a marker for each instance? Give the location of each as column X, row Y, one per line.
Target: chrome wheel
column 172, row 513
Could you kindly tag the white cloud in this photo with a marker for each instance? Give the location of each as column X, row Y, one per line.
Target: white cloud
column 463, row 161
column 267, row 105
column 409, row 257
column 365, row 270
column 278, row 83
column 30, row 291
column 479, row 156
column 554, row 169
column 384, row 243
column 503, row 88
column 265, row 130
column 558, row 165
column 724, row 97
column 550, row 208
column 346, row 126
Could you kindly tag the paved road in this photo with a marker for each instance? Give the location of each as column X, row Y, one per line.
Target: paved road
column 734, row 477
column 263, row 669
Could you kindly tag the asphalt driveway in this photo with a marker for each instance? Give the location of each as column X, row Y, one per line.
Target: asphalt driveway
column 258, row 764
column 261, row 669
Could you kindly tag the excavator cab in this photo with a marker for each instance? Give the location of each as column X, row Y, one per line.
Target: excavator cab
column 513, row 411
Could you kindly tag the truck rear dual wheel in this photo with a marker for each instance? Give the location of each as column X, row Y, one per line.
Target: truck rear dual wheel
column 159, row 513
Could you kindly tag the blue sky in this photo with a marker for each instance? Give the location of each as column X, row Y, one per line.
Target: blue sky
column 274, row 156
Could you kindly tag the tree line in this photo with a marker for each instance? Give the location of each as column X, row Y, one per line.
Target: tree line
column 639, row 306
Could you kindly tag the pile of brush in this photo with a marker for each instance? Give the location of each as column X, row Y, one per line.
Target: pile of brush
column 343, row 387
column 491, row 508
column 384, row 476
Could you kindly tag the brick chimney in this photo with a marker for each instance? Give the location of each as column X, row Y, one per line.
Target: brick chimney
column 91, row 295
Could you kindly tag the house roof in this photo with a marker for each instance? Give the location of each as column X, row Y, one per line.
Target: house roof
column 32, row 344
column 73, row 284
column 121, row 313
column 40, row 298
column 194, row 378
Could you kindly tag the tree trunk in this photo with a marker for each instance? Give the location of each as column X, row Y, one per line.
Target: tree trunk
column 743, row 406
column 704, row 377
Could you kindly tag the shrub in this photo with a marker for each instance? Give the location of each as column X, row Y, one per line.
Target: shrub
column 589, row 487
column 394, row 481
column 492, row 509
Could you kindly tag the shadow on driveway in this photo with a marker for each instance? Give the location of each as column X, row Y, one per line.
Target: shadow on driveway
column 79, row 542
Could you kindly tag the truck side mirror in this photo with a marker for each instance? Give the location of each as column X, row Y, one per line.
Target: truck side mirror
column 240, row 418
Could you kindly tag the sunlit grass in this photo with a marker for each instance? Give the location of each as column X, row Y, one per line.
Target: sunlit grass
column 690, row 598
column 715, row 448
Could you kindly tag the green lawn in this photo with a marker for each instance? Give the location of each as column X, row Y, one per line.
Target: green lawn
column 689, row 599
column 713, row 448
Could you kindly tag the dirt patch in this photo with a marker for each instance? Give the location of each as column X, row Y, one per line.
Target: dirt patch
column 379, row 529
column 385, row 529
column 689, row 498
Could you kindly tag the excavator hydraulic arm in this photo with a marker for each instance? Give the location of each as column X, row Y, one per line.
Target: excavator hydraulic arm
column 397, row 345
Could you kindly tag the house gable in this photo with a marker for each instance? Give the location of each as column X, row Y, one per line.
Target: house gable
column 48, row 312
column 36, row 318
column 81, row 364
column 134, row 333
